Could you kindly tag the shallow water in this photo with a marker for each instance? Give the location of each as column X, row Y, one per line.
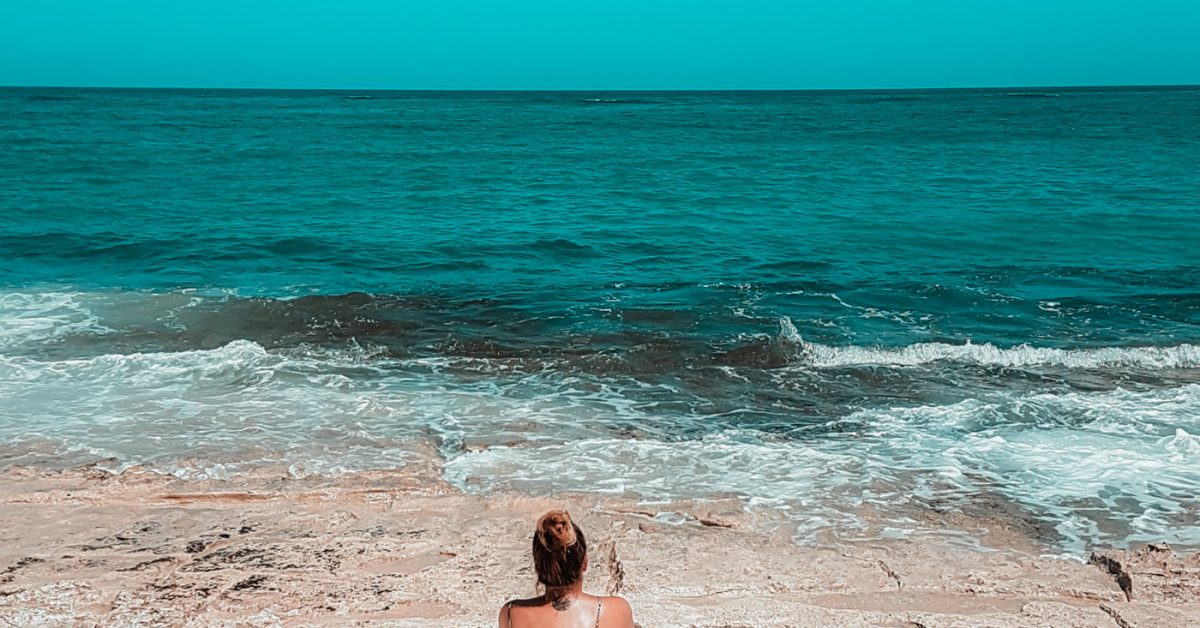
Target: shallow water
column 823, row 302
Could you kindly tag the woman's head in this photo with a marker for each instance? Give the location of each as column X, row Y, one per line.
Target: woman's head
column 559, row 550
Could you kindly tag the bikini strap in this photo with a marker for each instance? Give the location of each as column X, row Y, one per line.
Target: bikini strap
column 508, row 613
column 599, row 607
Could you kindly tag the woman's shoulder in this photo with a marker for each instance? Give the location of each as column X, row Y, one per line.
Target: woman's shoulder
column 615, row 601
column 615, row 612
column 507, row 610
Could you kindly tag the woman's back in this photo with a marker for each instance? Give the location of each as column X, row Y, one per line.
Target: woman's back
column 587, row 611
column 560, row 560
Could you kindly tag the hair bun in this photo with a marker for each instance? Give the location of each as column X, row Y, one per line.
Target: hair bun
column 555, row 531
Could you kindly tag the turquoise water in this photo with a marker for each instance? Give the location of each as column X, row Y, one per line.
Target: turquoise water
column 821, row 302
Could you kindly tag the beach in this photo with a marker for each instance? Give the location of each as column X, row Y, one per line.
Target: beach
column 792, row 358
column 86, row 547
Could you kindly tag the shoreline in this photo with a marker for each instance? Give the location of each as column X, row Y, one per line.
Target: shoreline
column 82, row 546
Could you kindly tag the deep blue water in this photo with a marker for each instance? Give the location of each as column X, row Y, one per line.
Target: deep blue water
column 819, row 301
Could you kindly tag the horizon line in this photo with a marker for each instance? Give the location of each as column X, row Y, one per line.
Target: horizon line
column 590, row 89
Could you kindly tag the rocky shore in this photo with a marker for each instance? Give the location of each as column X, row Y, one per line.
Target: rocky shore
column 85, row 547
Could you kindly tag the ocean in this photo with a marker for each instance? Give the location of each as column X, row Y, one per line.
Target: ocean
column 848, row 308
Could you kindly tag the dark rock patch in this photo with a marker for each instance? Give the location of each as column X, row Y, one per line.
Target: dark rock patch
column 1153, row 573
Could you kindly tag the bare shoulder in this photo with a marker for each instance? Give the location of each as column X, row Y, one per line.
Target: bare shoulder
column 517, row 607
column 506, row 611
column 616, row 613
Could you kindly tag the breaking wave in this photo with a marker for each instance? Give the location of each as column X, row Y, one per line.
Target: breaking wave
column 1184, row 356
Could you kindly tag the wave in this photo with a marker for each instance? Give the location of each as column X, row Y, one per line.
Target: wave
column 205, row 413
column 32, row 318
column 318, row 409
column 616, row 101
column 563, row 248
column 240, row 363
column 1030, row 94
column 1130, row 456
column 1184, row 356
column 626, row 336
column 53, row 97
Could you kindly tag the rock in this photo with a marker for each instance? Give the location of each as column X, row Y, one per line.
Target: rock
column 1153, row 573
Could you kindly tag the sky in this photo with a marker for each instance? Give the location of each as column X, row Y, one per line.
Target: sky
column 598, row 44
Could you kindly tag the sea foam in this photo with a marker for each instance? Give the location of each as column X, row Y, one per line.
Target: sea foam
column 1180, row 356
column 1107, row 451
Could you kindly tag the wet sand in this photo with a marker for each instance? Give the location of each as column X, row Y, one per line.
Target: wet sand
column 84, row 547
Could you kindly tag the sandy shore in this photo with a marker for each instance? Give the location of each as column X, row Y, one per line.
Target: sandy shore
column 83, row 547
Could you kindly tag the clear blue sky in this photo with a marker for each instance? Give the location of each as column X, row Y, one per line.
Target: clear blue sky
column 598, row 44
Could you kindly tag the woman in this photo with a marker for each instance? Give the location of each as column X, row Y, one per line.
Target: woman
column 560, row 559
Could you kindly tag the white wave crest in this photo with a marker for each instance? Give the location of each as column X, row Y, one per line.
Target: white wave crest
column 31, row 318
column 1174, row 357
column 1182, row 356
column 234, row 360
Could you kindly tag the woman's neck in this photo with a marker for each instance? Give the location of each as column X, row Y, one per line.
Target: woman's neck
column 562, row 597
